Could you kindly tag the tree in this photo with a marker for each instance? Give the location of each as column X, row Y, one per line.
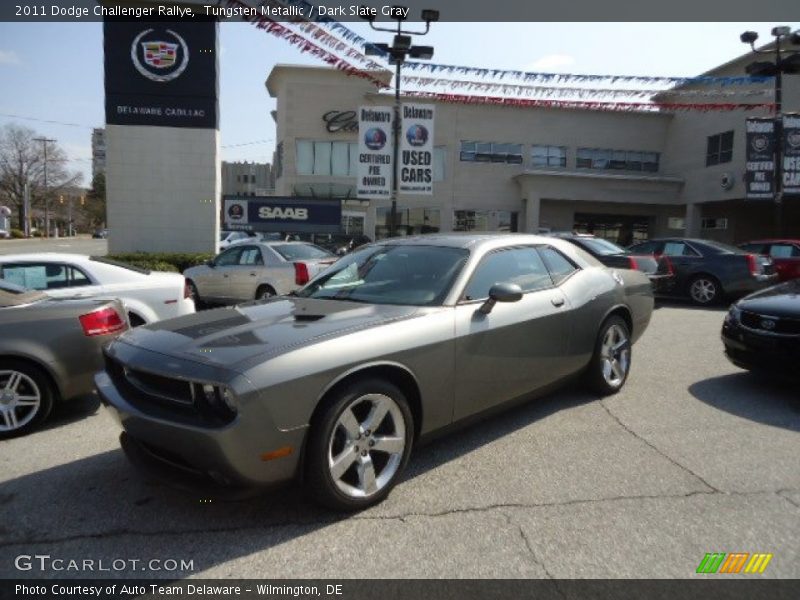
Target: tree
column 95, row 207
column 22, row 162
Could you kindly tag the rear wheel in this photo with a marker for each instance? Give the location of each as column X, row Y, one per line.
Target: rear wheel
column 26, row 397
column 359, row 445
column 264, row 292
column 611, row 362
column 704, row 290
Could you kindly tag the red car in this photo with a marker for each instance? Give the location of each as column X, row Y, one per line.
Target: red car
column 785, row 255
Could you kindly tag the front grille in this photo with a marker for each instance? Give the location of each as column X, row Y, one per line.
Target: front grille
column 782, row 325
column 165, row 388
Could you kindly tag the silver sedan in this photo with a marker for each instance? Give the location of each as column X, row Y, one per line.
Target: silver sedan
column 394, row 343
column 251, row 271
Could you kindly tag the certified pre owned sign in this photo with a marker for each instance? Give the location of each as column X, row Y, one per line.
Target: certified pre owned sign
column 160, row 56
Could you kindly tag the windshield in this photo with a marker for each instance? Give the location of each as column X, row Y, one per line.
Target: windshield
column 601, row 246
column 407, row 275
column 301, row 251
column 223, row 235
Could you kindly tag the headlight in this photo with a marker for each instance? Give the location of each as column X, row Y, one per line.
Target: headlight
column 734, row 315
column 218, row 397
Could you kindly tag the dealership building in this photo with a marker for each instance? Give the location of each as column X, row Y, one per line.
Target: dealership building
column 626, row 176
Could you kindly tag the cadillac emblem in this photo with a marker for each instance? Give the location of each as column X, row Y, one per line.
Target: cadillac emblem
column 157, row 58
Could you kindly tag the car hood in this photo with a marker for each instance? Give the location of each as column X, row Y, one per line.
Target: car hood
column 778, row 301
column 226, row 337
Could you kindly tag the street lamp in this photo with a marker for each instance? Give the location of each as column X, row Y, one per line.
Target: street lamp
column 784, row 61
column 400, row 49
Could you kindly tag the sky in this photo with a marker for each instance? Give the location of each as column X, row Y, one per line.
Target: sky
column 54, row 71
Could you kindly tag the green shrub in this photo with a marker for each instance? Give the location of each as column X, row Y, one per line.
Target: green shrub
column 17, row 234
column 162, row 261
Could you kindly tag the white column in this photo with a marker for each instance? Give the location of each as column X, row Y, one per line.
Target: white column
column 694, row 213
column 533, row 206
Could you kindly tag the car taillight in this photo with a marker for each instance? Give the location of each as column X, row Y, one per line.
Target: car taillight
column 667, row 264
column 102, row 322
column 633, row 265
column 301, row 273
column 752, row 264
column 187, row 289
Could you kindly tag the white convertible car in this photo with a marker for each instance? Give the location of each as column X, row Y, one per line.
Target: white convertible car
column 148, row 296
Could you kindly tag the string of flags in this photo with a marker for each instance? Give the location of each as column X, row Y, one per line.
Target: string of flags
column 311, row 38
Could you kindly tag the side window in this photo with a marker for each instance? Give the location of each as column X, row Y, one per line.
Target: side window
column 784, row 251
column 560, row 266
column 251, row 255
column 229, row 257
column 77, row 277
column 646, row 248
column 522, row 266
column 678, row 249
column 44, row 276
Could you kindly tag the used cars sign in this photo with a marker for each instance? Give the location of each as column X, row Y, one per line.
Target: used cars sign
column 416, row 150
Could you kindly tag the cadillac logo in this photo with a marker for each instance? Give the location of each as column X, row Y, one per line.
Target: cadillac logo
column 760, row 143
column 794, row 139
column 160, row 57
column 767, row 324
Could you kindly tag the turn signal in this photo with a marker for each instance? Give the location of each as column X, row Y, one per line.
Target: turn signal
column 102, row 322
column 279, row 453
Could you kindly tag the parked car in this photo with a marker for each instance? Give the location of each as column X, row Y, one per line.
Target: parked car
column 707, row 271
column 100, row 233
column 147, row 296
column 260, row 270
column 785, row 254
column 393, row 343
column 4, row 234
column 226, row 238
column 49, row 351
column 615, row 256
column 762, row 331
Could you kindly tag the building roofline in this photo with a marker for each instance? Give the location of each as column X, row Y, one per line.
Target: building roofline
column 382, row 75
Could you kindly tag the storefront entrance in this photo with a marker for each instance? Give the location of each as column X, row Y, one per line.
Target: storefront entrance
column 620, row 229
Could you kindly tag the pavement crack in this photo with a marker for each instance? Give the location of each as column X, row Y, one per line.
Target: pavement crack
column 657, row 449
column 787, row 498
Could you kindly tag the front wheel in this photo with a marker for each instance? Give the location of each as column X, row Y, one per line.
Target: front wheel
column 704, row 290
column 26, row 398
column 359, row 445
column 611, row 362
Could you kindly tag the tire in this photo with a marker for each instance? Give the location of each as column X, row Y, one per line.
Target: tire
column 704, row 290
column 265, row 292
column 344, row 470
column 611, row 361
column 26, row 397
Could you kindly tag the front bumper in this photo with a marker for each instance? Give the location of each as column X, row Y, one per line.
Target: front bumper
column 230, row 456
column 753, row 351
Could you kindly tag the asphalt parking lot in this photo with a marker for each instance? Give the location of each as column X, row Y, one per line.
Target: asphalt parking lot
column 693, row 456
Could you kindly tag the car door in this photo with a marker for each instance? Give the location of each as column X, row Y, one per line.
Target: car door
column 216, row 285
column 685, row 260
column 243, row 278
column 518, row 346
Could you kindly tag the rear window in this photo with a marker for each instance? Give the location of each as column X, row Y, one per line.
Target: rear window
column 293, row 252
column 601, row 246
column 116, row 263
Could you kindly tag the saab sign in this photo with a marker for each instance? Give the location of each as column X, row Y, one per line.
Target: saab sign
column 282, row 214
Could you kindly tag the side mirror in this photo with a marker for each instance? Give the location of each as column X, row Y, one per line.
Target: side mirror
column 501, row 292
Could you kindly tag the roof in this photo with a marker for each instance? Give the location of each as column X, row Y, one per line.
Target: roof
column 466, row 239
column 49, row 256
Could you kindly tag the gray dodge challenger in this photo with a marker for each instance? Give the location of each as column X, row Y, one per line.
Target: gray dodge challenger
column 334, row 384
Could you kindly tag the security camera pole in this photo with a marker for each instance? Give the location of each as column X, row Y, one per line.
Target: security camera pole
column 789, row 64
column 398, row 51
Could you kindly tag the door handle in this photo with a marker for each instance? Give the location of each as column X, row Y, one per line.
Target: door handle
column 557, row 301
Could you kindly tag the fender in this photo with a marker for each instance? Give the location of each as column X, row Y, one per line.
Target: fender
column 37, row 354
column 363, row 367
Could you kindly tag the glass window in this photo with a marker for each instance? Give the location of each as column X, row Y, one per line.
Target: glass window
column 483, row 151
column 340, row 159
column 485, row 220
column 645, row 248
column 293, row 252
column 44, row 276
column 305, row 157
column 353, row 168
column 514, row 154
column 521, row 266
column 251, row 255
column 468, row 151
column 229, row 257
column 405, row 275
column 600, row 246
column 322, row 158
column 627, row 160
column 784, row 251
column 560, row 266
column 677, row 249
column 719, row 148
column 410, row 221
column 548, row 156
column 439, row 159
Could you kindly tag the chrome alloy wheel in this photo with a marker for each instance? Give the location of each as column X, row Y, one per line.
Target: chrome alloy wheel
column 703, row 290
column 20, row 400
column 615, row 355
column 366, row 445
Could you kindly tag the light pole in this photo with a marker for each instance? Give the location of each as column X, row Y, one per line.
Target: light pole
column 400, row 49
column 45, row 141
column 789, row 64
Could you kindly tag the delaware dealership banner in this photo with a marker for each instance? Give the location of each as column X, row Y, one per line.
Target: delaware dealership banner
column 374, row 152
column 282, row 214
column 760, row 168
column 791, row 155
column 416, row 149
column 161, row 73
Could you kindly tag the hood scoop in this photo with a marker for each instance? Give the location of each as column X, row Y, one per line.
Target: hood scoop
column 306, row 318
